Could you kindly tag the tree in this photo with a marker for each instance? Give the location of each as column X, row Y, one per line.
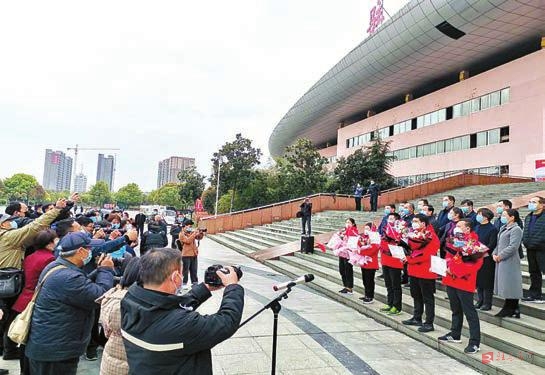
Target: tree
column 129, row 195
column 364, row 165
column 209, row 199
column 191, row 185
column 301, row 169
column 167, row 195
column 238, row 158
column 20, row 186
column 99, row 194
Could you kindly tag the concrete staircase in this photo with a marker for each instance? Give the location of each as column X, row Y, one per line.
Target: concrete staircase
column 521, row 341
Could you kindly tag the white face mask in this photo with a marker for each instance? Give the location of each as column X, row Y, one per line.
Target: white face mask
column 457, row 231
column 347, row 225
column 416, row 226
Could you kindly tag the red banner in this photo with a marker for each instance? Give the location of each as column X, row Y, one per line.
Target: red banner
column 540, row 170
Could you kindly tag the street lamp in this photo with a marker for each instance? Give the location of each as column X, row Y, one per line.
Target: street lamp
column 220, row 160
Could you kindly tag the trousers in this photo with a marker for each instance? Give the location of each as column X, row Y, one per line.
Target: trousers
column 536, row 266
column 368, row 277
column 305, row 221
column 347, row 273
column 392, row 279
column 422, row 291
column 190, row 266
column 461, row 303
column 66, row 367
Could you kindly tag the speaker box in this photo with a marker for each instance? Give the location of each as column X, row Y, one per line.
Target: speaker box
column 307, row 244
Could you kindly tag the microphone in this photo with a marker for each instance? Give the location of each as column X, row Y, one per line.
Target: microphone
column 288, row 284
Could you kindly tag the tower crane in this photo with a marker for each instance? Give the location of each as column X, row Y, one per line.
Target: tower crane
column 76, row 151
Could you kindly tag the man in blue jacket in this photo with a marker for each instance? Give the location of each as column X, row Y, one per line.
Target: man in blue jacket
column 63, row 314
column 162, row 332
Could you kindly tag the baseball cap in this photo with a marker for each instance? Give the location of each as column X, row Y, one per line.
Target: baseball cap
column 6, row 217
column 75, row 240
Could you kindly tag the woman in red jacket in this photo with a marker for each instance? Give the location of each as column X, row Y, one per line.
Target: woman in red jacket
column 391, row 267
column 33, row 265
column 464, row 257
column 367, row 258
column 345, row 268
column 423, row 243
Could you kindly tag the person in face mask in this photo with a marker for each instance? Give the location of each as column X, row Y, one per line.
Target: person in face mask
column 488, row 235
column 345, row 267
column 63, row 312
column 389, row 209
column 467, row 208
column 454, row 215
column 442, row 218
column 502, row 205
column 423, row 243
column 533, row 239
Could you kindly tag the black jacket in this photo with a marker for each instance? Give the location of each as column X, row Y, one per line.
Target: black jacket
column 534, row 240
column 306, row 209
column 163, row 322
column 155, row 237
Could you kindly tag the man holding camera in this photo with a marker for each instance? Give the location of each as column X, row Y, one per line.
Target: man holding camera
column 188, row 237
column 162, row 332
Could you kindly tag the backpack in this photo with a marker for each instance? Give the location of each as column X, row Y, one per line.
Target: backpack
column 154, row 240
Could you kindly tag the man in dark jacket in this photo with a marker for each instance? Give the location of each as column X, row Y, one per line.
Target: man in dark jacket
column 374, row 191
column 154, row 237
column 63, row 314
column 162, row 332
column 533, row 238
column 306, row 216
column 442, row 217
column 139, row 221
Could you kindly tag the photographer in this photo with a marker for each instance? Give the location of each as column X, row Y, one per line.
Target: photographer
column 162, row 332
column 188, row 237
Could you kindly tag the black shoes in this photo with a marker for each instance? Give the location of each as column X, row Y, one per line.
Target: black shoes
column 426, row 327
column 478, row 305
column 505, row 313
column 412, row 322
column 471, row 349
column 486, row 308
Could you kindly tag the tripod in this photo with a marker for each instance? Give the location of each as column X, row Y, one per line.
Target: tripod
column 275, row 307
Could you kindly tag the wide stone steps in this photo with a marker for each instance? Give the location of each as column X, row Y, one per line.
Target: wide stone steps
column 528, row 366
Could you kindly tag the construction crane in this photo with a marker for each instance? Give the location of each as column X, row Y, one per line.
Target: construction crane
column 76, row 151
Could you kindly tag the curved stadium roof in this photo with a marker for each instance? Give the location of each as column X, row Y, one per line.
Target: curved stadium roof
column 409, row 53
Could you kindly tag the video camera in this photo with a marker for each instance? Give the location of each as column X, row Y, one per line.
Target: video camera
column 212, row 278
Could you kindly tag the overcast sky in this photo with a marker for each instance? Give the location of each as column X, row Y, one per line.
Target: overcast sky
column 160, row 78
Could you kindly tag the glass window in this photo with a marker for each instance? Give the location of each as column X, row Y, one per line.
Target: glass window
column 465, row 108
column 433, row 148
column 442, row 115
column 419, row 151
column 505, row 95
column 481, row 139
column 456, row 110
column 493, row 136
column 465, row 142
column 475, row 105
column 351, row 142
column 456, row 143
column 440, row 146
column 494, row 99
column 412, row 152
column 485, row 102
column 419, row 122
column 448, row 145
column 427, row 149
column 504, row 134
column 434, row 116
column 361, row 139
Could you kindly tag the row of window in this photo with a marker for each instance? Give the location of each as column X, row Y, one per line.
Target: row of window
column 419, row 178
column 481, row 103
column 465, row 142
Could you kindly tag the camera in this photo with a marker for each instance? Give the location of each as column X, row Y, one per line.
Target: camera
column 211, row 278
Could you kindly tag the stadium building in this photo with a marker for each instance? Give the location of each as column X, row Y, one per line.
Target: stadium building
column 455, row 85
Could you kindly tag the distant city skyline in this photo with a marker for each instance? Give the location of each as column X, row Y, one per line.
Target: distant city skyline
column 57, row 171
column 168, row 169
column 80, row 185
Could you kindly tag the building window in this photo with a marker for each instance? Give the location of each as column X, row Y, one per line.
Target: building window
column 494, row 99
column 481, row 139
column 457, row 110
column 442, row 115
column 419, row 122
column 485, row 102
column 475, row 105
column 466, row 106
column 504, row 134
column 504, row 96
column 493, row 136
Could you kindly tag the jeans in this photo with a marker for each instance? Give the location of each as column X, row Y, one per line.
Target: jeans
column 66, row 367
column 422, row 291
column 536, row 266
column 190, row 265
column 305, row 221
column 347, row 273
column 461, row 303
column 368, row 277
column 392, row 279
column 374, row 201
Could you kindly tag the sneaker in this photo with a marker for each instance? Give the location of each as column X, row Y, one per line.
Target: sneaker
column 385, row 308
column 426, row 327
column 91, row 355
column 532, row 299
column 412, row 322
column 367, row 300
column 348, row 291
column 394, row 311
column 343, row 290
column 471, row 349
column 449, row 338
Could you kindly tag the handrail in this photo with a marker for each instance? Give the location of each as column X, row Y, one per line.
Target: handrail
column 446, row 175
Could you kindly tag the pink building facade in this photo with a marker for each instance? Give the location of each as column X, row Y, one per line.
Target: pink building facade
column 490, row 123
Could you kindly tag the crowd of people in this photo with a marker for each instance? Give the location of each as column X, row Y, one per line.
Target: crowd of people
column 96, row 278
column 468, row 250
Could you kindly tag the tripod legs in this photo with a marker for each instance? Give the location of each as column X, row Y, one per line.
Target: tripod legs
column 275, row 307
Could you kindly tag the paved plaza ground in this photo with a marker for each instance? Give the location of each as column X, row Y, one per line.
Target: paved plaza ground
column 316, row 334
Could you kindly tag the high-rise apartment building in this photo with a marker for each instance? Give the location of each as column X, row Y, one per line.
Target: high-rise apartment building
column 57, row 171
column 105, row 169
column 80, row 183
column 169, row 169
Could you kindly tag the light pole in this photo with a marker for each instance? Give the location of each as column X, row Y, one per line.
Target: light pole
column 218, row 185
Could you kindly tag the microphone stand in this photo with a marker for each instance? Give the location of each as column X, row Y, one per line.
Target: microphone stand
column 275, row 307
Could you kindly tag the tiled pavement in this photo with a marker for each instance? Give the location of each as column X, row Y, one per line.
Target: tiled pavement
column 316, row 335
